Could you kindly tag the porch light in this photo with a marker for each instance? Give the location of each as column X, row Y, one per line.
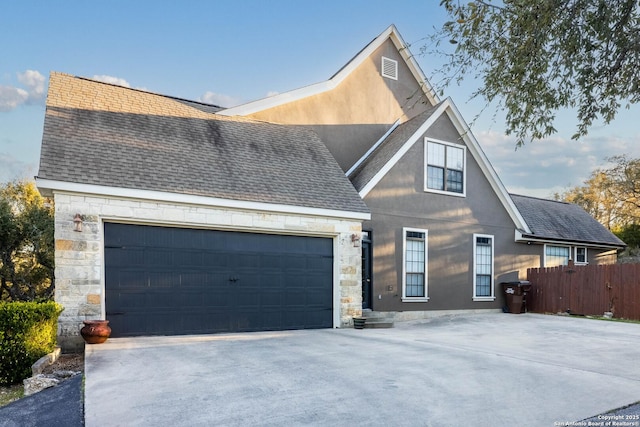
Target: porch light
column 355, row 239
column 77, row 223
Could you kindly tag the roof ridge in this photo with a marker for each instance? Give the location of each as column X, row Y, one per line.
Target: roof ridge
column 541, row 198
column 177, row 98
column 103, row 96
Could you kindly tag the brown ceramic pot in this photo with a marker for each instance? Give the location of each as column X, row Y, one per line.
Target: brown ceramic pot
column 95, row 331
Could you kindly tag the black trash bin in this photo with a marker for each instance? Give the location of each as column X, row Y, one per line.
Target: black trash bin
column 515, row 294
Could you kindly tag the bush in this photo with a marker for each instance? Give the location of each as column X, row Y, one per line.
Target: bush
column 27, row 332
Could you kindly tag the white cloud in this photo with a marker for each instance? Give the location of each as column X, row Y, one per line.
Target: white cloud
column 11, row 97
column 219, row 99
column 35, row 83
column 111, row 80
column 552, row 165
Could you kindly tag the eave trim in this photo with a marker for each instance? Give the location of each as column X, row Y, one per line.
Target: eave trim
column 528, row 238
column 129, row 193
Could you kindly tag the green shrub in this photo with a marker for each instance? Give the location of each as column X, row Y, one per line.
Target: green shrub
column 27, row 332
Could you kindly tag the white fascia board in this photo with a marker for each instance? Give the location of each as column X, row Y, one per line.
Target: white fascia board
column 396, row 157
column 160, row 196
column 521, row 238
column 485, row 165
column 373, row 147
column 296, row 94
column 415, row 69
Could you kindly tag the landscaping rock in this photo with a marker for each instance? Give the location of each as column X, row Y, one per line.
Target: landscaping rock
column 63, row 375
column 37, row 383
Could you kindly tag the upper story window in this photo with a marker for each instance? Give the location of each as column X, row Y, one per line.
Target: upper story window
column 445, row 167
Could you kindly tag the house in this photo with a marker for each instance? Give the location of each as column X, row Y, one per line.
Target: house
column 444, row 232
column 189, row 222
column 567, row 232
column 294, row 211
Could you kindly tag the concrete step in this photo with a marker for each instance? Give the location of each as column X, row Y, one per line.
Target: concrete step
column 370, row 314
column 372, row 319
column 377, row 324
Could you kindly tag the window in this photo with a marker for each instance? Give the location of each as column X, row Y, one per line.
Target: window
column 414, row 280
column 483, row 268
column 389, row 68
column 445, row 167
column 581, row 255
column 556, row 255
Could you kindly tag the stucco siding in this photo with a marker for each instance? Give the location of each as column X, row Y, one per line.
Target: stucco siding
column 399, row 200
column 602, row 256
column 354, row 115
column 79, row 256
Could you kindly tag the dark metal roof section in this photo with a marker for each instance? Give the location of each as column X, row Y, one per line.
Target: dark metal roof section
column 107, row 135
column 387, row 149
column 553, row 220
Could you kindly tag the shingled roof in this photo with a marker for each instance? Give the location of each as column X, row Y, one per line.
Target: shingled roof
column 553, row 220
column 102, row 134
column 387, row 149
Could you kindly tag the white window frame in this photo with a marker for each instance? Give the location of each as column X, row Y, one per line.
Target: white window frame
column 392, row 62
column 556, row 246
column 492, row 297
column 575, row 258
column 426, row 165
column 405, row 298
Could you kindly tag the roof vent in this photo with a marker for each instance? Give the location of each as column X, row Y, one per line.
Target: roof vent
column 389, row 68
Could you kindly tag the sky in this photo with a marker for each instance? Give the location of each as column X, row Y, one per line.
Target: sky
column 231, row 52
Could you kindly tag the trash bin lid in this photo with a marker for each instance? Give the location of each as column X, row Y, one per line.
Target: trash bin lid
column 517, row 283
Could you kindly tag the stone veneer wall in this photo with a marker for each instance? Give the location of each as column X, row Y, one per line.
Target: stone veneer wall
column 79, row 255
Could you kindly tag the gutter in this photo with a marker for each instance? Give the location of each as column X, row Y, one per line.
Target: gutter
column 521, row 237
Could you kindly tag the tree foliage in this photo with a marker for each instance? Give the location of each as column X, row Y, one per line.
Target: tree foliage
column 26, row 244
column 536, row 57
column 612, row 196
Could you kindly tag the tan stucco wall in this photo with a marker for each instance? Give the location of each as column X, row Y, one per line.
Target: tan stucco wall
column 79, row 256
column 354, row 115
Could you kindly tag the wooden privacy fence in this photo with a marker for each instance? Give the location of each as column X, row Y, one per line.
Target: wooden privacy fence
column 586, row 290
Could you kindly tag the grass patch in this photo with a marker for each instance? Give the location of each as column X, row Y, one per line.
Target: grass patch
column 10, row 393
column 613, row 319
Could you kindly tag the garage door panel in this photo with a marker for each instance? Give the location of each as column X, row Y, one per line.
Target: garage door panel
column 116, row 256
column 216, row 259
column 162, row 280
column 271, row 299
column 156, row 256
column 183, row 257
column 197, row 279
column 216, row 300
column 130, row 279
column 272, row 320
column 124, row 235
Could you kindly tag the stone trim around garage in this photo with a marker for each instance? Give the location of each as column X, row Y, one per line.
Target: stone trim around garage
column 79, row 256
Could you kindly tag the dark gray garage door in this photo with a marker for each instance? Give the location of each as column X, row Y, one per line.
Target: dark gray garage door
column 172, row 281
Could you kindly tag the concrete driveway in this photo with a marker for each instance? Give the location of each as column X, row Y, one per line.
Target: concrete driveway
column 481, row 370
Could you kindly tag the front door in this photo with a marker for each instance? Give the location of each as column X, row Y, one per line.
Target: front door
column 366, row 270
